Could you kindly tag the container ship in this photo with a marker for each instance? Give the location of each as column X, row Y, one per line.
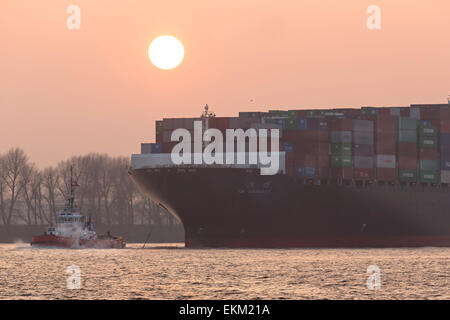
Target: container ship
column 366, row 177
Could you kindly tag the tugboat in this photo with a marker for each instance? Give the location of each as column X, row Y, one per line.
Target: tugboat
column 71, row 230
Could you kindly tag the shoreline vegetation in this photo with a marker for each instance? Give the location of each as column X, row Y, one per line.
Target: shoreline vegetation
column 30, row 198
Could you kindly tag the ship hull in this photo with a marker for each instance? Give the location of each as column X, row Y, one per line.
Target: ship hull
column 72, row 243
column 229, row 207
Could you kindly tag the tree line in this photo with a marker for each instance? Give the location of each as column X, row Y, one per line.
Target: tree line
column 32, row 196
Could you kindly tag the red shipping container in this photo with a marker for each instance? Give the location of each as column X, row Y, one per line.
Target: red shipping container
column 316, row 148
column 384, row 111
column 302, row 113
column 221, row 123
column 407, row 162
column 428, row 154
column 342, row 173
column 315, row 135
column 290, row 171
column 159, row 137
column 290, row 159
column 322, row 173
column 407, row 149
column 386, row 174
column 386, row 124
column 429, row 112
column 435, row 122
column 305, row 160
column 385, row 142
column 364, row 174
column 290, row 165
column 168, row 146
column 385, row 147
column 444, row 126
column 292, row 135
column 323, row 161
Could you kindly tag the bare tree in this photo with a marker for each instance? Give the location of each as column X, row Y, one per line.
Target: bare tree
column 50, row 195
column 32, row 181
column 14, row 173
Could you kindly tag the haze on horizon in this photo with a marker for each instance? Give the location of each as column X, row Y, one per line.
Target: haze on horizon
column 69, row 92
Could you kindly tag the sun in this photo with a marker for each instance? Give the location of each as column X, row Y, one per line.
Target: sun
column 166, row 52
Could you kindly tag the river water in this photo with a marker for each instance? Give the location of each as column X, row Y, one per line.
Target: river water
column 174, row 272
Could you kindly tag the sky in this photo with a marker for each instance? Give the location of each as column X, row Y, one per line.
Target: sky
column 70, row 92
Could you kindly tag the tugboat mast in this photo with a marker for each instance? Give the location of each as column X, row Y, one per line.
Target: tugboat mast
column 72, row 194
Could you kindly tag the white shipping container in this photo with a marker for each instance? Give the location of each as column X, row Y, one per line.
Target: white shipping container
column 445, row 176
column 385, row 161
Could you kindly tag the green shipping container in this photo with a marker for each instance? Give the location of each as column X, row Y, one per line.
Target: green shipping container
column 428, row 165
column 159, row 126
column 428, row 142
column 405, row 175
column 429, row 176
column 343, row 149
column 291, row 124
column 407, row 136
column 341, row 161
column 278, row 113
column 293, row 114
column 428, row 131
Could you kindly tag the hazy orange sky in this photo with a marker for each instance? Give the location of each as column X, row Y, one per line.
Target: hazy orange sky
column 69, row 92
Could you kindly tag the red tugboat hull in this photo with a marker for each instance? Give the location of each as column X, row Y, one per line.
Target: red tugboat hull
column 70, row 243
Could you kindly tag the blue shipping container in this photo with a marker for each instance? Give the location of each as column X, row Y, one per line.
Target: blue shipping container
column 445, row 139
column 305, row 172
column 310, row 172
column 288, row 147
column 300, row 172
column 445, row 161
column 302, row 124
column 156, row 147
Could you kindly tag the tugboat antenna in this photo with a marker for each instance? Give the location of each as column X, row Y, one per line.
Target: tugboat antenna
column 71, row 188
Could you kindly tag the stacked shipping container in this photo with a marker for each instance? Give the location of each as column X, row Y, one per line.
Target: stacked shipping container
column 407, row 149
column 385, row 146
column 405, row 144
column 363, row 149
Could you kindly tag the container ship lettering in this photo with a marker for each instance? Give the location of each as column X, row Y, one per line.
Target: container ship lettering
column 368, row 177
